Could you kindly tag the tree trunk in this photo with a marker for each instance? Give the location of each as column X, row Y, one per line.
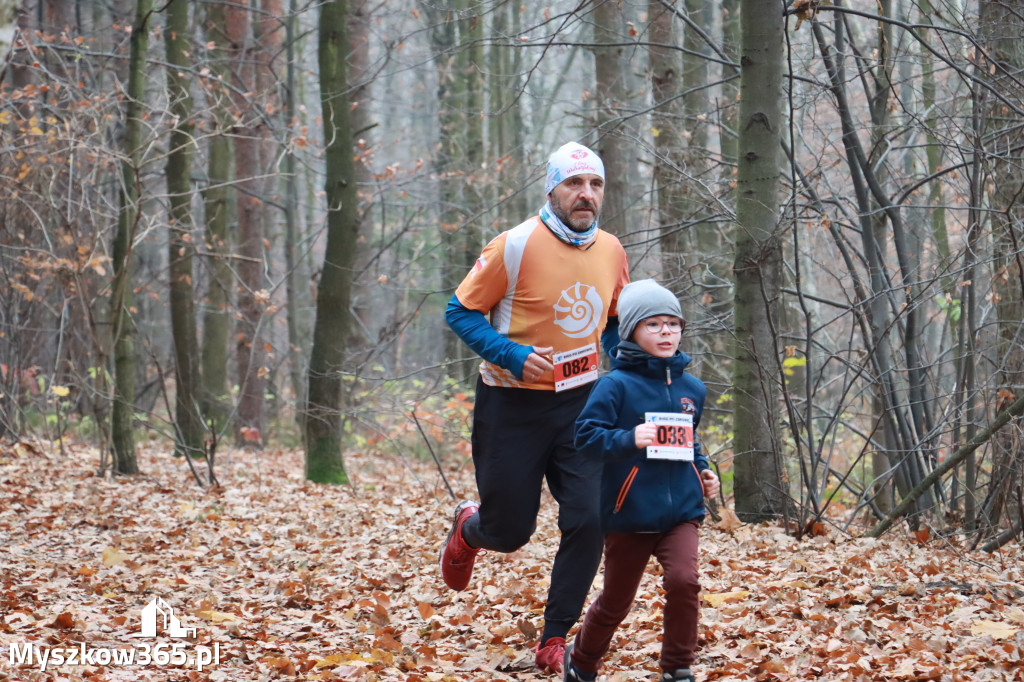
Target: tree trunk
column 443, row 37
column 363, row 341
column 1001, row 26
column 458, row 59
column 882, row 460
column 506, row 122
column 217, row 213
column 122, row 433
column 614, row 145
column 324, row 428
column 669, row 183
column 249, row 188
column 760, row 484
column 730, row 86
column 188, row 430
column 471, row 70
column 296, row 275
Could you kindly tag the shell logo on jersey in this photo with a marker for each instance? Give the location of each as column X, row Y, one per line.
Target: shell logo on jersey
column 578, row 310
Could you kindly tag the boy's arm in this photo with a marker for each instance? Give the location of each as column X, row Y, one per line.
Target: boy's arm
column 473, row 328
column 700, row 460
column 596, row 431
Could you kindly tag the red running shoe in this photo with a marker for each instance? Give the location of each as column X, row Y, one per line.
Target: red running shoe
column 550, row 656
column 456, row 556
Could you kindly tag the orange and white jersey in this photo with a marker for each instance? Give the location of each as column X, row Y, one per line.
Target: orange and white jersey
column 540, row 291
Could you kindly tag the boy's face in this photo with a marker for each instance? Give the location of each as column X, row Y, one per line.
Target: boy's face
column 659, row 335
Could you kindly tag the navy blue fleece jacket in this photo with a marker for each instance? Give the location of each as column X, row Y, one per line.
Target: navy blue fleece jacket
column 640, row 494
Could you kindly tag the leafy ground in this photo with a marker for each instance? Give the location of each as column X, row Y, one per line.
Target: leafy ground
column 298, row 581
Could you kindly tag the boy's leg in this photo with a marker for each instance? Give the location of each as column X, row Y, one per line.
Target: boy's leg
column 625, row 558
column 575, row 482
column 677, row 553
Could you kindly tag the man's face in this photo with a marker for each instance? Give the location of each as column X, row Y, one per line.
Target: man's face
column 577, row 200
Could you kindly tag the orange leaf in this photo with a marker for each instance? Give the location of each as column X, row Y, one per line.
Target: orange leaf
column 64, row 621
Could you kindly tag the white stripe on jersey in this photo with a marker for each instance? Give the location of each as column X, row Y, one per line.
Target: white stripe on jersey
column 515, row 245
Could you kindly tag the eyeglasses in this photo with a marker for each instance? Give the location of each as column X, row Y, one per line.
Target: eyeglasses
column 655, row 326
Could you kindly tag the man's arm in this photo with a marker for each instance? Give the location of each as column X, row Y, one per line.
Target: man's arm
column 473, row 328
column 610, row 337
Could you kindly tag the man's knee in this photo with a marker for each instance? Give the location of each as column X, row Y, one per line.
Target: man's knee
column 508, row 538
column 583, row 526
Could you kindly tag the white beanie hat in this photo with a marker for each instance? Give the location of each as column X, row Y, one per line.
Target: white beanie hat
column 642, row 299
column 571, row 159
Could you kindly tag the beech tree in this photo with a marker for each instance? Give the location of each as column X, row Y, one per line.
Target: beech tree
column 761, row 490
column 188, row 421
column 122, row 431
column 325, row 462
column 218, row 239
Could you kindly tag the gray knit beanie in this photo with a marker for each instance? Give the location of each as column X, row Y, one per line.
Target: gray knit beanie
column 642, row 299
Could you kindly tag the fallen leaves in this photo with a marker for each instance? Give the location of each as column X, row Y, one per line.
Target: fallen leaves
column 993, row 629
column 113, row 557
column 300, row 581
column 716, row 600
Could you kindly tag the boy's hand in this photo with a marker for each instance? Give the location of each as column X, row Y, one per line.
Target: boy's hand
column 645, row 434
column 711, row 483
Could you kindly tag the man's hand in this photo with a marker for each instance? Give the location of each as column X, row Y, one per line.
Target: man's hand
column 645, row 434
column 537, row 364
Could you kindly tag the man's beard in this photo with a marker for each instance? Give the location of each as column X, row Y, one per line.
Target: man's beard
column 575, row 224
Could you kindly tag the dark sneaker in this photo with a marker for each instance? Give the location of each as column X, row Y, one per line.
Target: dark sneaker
column 572, row 673
column 456, row 556
column 684, row 674
column 549, row 657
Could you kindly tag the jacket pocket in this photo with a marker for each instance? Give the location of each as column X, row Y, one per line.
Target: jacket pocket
column 624, row 490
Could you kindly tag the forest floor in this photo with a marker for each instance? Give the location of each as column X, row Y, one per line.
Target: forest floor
column 283, row 579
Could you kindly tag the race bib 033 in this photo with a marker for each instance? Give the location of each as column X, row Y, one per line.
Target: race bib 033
column 674, row 439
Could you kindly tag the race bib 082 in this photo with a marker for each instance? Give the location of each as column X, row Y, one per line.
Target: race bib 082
column 575, row 367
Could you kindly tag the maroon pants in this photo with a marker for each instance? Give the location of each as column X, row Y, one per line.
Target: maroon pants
column 625, row 559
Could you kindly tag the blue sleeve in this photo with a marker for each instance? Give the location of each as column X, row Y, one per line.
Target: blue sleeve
column 610, row 337
column 700, row 460
column 597, row 433
column 473, row 328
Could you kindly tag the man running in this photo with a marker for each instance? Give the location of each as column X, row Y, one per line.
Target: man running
column 550, row 287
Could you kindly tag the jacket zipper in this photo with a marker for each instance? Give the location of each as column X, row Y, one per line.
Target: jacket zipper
column 668, row 394
column 624, row 490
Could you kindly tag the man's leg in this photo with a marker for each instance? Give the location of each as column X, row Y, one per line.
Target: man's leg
column 510, row 442
column 575, row 483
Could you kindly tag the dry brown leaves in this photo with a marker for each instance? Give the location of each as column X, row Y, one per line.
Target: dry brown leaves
column 292, row 580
